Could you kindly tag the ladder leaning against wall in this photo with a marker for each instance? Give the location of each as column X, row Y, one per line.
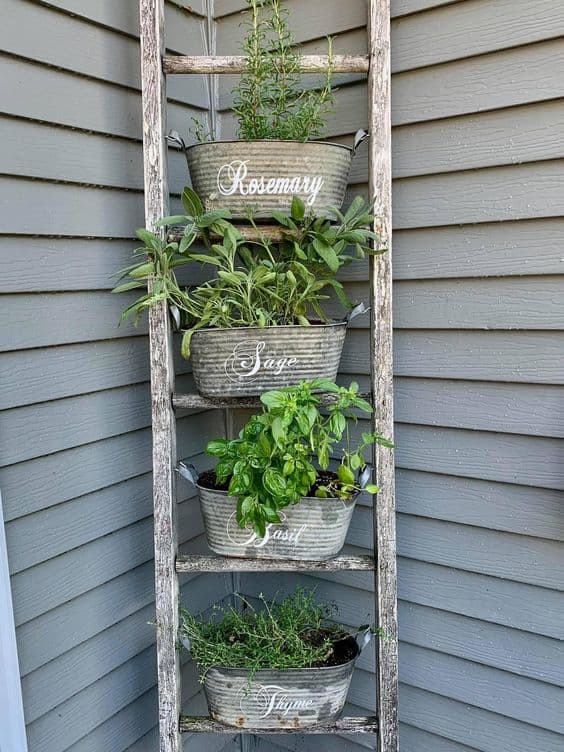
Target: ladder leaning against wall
column 168, row 564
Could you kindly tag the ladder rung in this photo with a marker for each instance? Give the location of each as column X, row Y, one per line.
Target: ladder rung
column 274, row 233
column 235, row 403
column 204, row 563
column 238, row 63
column 345, row 725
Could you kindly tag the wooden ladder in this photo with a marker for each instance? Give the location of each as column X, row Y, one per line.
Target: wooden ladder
column 154, row 67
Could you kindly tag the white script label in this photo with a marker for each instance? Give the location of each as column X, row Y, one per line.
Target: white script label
column 271, row 698
column 274, row 532
column 232, row 178
column 248, row 359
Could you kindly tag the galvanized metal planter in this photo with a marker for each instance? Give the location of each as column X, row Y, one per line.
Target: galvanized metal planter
column 282, row 698
column 313, row 529
column 250, row 360
column 263, row 176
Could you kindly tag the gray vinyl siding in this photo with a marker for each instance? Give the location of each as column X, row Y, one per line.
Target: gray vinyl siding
column 75, row 437
column 478, row 114
column 478, row 163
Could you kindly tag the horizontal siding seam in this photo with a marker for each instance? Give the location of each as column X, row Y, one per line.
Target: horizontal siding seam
column 184, row 540
column 141, row 428
column 460, row 427
column 187, row 579
column 487, row 168
column 137, row 699
column 473, row 56
column 92, row 342
column 463, row 225
column 181, row 413
column 478, row 662
column 53, row 236
column 500, row 165
column 432, row 730
column 481, row 707
column 421, row 11
column 368, row 590
column 67, row 71
column 466, row 525
column 220, row 16
column 75, row 128
column 58, row 181
column 78, row 446
column 82, row 19
column 468, row 330
column 467, row 748
column 86, row 77
column 151, row 646
column 477, row 56
column 481, row 573
column 85, row 131
column 191, row 12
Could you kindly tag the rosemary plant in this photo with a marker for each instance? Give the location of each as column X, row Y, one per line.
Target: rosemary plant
column 269, row 103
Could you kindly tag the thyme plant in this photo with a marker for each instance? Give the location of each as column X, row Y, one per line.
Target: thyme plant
column 294, row 633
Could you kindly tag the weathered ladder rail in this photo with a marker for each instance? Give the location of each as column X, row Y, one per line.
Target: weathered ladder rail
column 381, row 370
column 236, row 403
column 238, row 63
column 348, row 725
column 205, row 563
column 154, row 65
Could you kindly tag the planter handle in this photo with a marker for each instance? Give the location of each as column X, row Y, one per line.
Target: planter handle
column 187, row 471
column 360, row 136
column 364, row 477
column 174, row 137
column 359, row 310
column 363, row 637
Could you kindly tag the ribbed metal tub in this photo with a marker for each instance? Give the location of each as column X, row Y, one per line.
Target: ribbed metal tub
column 265, row 175
column 313, row 529
column 246, row 361
column 288, row 698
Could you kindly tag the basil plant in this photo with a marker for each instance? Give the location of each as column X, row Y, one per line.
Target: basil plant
column 277, row 457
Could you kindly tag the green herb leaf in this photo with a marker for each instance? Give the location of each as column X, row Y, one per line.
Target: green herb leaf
column 273, row 399
column 346, row 475
column 191, row 202
column 327, row 253
column 185, row 345
column 174, row 219
column 297, row 209
column 128, row 286
column 217, row 447
column 278, row 431
column 152, row 241
column 145, row 270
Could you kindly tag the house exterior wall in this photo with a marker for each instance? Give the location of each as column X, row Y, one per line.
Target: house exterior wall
column 75, row 438
column 478, row 114
column 478, row 126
